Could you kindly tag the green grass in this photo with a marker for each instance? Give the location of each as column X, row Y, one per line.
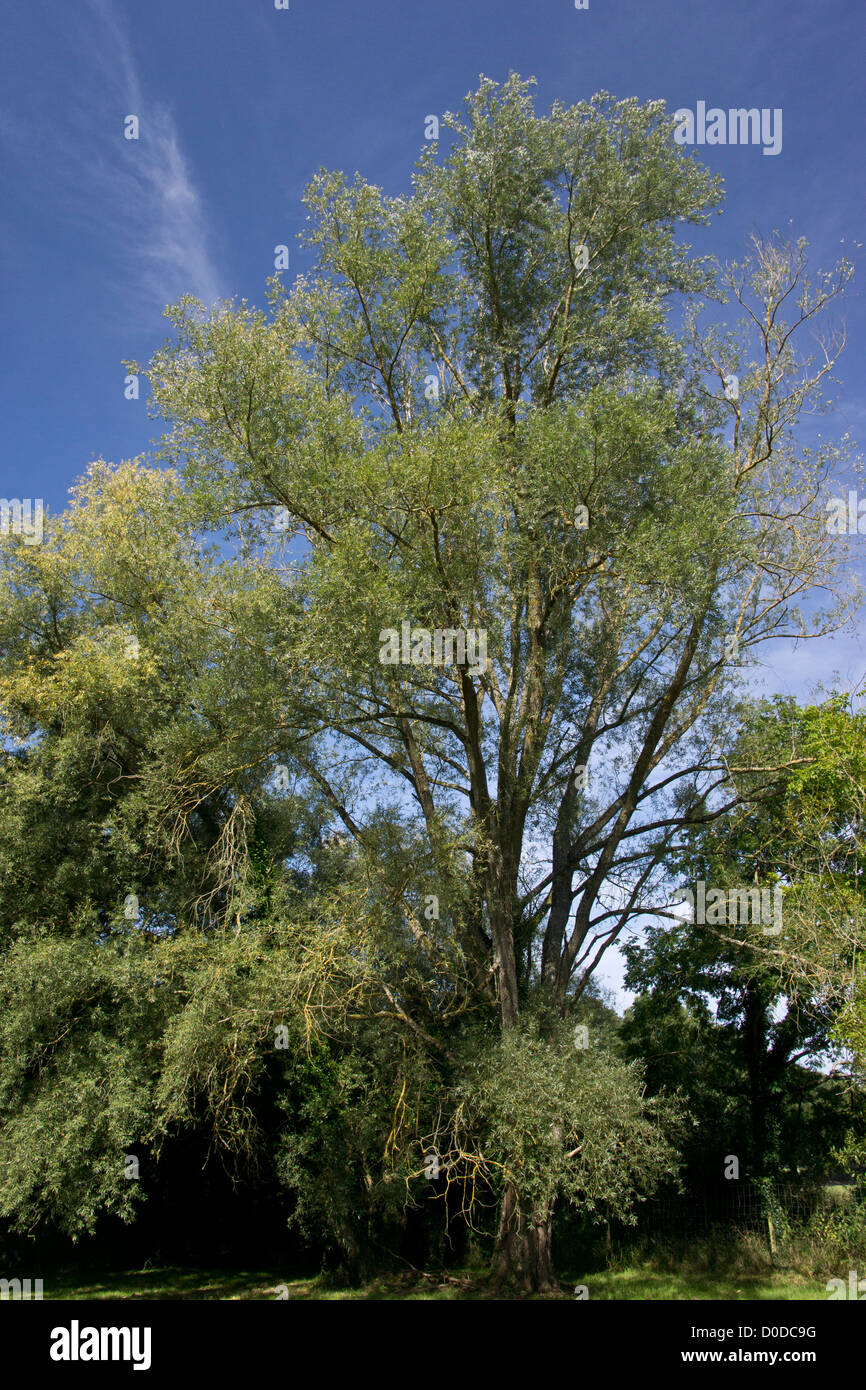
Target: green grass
column 644, row 1282
column 641, row 1282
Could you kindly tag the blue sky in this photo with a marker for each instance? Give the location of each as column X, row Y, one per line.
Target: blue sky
column 240, row 103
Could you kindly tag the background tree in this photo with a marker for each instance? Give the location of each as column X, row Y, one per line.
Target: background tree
column 824, row 839
column 717, row 1023
column 761, row 1046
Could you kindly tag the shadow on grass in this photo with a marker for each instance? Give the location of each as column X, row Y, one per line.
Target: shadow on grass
column 163, row 1282
column 175, row 1282
column 623, row 1284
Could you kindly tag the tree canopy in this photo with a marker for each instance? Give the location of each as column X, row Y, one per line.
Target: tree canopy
column 392, row 693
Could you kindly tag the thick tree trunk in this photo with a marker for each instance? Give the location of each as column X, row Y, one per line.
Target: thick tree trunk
column 523, row 1259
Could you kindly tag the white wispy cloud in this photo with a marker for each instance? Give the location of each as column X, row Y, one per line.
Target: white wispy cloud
column 163, row 212
column 135, row 202
column 173, row 243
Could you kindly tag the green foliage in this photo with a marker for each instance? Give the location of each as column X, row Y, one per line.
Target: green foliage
column 224, row 815
column 79, row 1032
column 558, row 1122
column 746, row 1024
column 834, row 1240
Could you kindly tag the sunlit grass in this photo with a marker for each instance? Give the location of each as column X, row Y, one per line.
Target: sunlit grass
column 643, row 1282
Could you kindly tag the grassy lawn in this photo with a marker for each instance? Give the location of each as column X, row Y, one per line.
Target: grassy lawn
column 645, row 1282
column 174, row 1282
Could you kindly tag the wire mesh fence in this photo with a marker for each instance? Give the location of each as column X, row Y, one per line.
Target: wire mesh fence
column 742, row 1205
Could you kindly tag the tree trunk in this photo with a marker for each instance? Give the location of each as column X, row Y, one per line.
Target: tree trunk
column 522, row 1258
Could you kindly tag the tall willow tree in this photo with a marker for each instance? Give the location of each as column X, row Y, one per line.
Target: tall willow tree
column 490, row 410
